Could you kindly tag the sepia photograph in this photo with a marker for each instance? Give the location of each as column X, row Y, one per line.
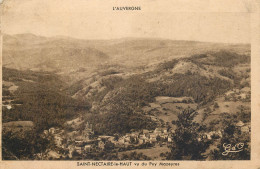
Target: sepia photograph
column 161, row 86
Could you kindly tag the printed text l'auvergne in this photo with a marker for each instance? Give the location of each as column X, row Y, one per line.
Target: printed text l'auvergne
column 127, row 8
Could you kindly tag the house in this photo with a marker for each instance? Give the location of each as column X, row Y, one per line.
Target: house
column 121, row 140
column 219, row 133
column 88, row 131
column 229, row 93
column 142, row 136
column 158, row 131
column 141, row 141
column 71, row 135
column 127, row 139
column 243, row 95
column 169, row 139
column 45, row 132
column 112, row 139
column 71, row 148
column 134, row 139
column 172, row 129
column 135, row 134
column 78, row 142
column 153, row 118
column 240, row 124
column 154, row 105
column 52, row 130
column 105, row 137
column 53, row 154
column 236, row 90
column 126, row 144
column 58, row 140
column 153, row 138
column 208, row 136
column 245, row 129
column 246, row 89
column 87, row 148
column 146, row 132
column 164, row 136
column 101, row 145
column 78, row 149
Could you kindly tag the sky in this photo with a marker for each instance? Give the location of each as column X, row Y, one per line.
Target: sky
column 203, row 20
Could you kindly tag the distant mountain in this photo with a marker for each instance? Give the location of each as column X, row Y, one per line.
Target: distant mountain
column 64, row 54
column 47, row 54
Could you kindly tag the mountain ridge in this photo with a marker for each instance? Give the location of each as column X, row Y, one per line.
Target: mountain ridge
column 28, row 51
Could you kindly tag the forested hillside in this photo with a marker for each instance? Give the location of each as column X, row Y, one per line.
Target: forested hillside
column 125, row 98
column 39, row 98
column 122, row 87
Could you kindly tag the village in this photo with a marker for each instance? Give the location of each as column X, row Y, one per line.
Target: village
column 86, row 141
column 81, row 143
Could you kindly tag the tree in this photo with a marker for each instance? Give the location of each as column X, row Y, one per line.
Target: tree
column 185, row 140
column 244, row 114
column 109, row 146
column 24, row 145
column 232, row 136
column 116, row 137
column 216, row 105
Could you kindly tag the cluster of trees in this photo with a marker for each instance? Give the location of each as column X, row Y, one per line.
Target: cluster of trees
column 200, row 88
column 136, row 92
column 74, row 88
column 221, row 58
column 24, row 145
column 229, row 59
column 167, row 65
column 109, row 123
column 227, row 73
column 186, row 145
column 122, row 108
column 43, row 100
column 232, row 135
column 111, row 82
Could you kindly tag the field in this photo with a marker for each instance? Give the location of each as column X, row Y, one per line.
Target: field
column 167, row 108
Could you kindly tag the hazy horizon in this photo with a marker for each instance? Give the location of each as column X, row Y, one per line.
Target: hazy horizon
column 122, row 38
column 96, row 20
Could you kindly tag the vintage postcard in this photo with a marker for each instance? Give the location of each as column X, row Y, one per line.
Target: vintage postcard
column 130, row 84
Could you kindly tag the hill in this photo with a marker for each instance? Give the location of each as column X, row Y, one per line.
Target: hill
column 67, row 55
column 115, row 82
column 202, row 78
column 38, row 97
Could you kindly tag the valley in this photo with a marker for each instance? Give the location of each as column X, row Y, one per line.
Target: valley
column 109, row 100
